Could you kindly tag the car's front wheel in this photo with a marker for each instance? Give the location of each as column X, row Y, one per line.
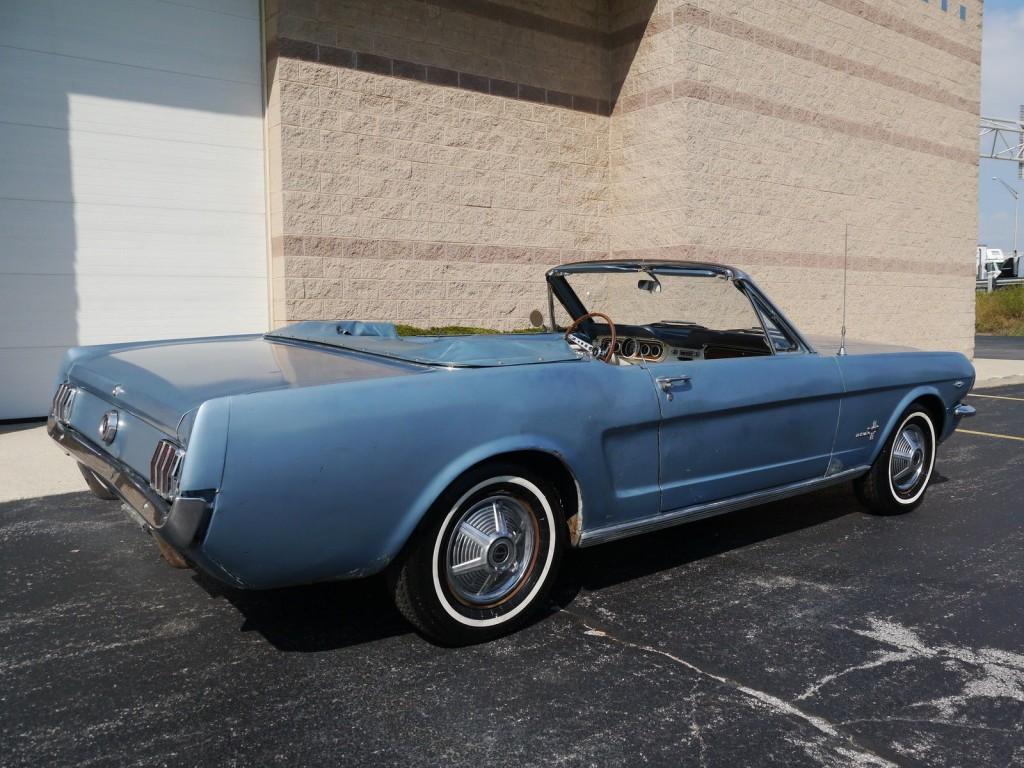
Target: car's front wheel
column 900, row 475
column 485, row 562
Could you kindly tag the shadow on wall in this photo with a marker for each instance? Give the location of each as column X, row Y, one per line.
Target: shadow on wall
column 585, row 73
column 118, row 139
column 386, row 98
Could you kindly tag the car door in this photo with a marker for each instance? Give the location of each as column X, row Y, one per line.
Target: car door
column 740, row 425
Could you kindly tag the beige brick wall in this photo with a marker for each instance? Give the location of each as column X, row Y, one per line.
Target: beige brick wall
column 755, row 133
column 459, row 148
column 396, row 160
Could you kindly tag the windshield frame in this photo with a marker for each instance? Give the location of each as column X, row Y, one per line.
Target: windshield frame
column 558, row 287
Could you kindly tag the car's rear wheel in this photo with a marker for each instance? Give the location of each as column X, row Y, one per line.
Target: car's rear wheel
column 484, row 564
column 900, row 475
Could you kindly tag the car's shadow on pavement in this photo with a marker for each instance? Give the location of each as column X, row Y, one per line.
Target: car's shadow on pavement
column 318, row 617
column 325, row 617
column 605, row 566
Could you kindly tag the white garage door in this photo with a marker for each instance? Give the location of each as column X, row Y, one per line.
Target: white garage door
column 131, row 179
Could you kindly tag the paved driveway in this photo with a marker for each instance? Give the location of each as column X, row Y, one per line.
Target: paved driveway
column 799, row 633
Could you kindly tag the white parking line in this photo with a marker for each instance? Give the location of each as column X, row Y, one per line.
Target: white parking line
column 990, row 434
column 998, row 397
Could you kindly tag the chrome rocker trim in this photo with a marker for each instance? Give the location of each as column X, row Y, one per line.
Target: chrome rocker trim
column 701, row 511
column 177, row 522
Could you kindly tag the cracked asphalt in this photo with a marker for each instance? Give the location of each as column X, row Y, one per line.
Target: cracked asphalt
column 803, row 632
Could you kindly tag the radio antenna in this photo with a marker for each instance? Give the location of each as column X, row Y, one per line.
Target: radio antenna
column 846, row 251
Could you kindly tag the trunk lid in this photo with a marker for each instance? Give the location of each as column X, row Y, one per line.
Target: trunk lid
column 164, row 382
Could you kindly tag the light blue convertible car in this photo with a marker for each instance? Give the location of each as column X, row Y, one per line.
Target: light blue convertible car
column 463, row 466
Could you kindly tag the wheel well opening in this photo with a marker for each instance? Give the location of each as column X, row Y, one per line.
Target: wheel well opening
column 936, row 410
column 553, row 469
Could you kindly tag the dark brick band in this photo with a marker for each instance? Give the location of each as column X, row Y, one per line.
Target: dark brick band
column 319, row 247
column 691, row 89
column 369, row 62
column 690, row 15
column 631, row 34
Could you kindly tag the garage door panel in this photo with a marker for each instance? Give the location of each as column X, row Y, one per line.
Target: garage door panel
column 158, row 105
column 149, row 307
column 139, row 33
column 46, row 164
column 132, row 191
column 63, row 238
column 38, row 237
column 27, row 377
column 36, row 163
column 186, row 243
column 66, row 310
column 124, row 170
column 39, row 311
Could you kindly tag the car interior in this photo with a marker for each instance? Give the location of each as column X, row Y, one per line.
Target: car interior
column 673, row 342
column 715, row 308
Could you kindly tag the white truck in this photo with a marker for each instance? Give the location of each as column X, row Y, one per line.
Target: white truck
column 988, row 262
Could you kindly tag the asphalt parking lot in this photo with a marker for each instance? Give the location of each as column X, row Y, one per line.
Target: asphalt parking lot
column 799, row 633
column 999, row 347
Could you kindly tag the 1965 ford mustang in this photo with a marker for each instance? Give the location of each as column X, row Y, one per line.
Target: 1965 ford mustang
column 464, row 466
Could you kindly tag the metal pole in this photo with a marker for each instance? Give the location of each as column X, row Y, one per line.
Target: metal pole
column 1016, row 215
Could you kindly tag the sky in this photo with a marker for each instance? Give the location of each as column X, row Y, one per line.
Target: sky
column 1002, row 94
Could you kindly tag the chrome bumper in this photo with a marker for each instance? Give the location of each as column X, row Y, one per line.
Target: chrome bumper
column 964, row 411
column 178, row 523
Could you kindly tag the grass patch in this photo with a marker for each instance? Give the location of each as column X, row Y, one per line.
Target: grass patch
column 457, row 330
column 1000, row 312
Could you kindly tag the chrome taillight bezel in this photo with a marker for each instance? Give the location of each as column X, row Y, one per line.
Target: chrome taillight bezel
column 165, row 469
column 63, row 400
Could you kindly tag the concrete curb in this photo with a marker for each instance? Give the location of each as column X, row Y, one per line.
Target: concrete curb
column 1003, row 381
column 997, row 373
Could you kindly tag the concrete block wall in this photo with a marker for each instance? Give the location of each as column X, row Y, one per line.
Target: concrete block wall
column 431, row 161
column 760, row 134
column 459, row 148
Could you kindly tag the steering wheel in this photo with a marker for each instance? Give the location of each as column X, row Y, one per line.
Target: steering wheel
column 575, row 339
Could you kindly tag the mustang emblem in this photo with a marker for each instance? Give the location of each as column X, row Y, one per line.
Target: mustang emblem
column 870, row 432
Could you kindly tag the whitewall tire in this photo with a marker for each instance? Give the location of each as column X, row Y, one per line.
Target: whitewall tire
column 899, row 478
column 484, row 562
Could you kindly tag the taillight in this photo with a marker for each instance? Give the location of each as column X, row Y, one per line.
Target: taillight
column 62, row 402
column 165, row 469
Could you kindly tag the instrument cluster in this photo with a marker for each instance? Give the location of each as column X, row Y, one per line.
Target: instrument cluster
column 648, row 350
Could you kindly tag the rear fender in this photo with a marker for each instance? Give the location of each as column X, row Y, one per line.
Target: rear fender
column 204, row 461
column 420, row 509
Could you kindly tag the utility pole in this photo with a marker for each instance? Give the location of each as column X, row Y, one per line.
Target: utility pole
column 1017, row 206
column 1016, row 218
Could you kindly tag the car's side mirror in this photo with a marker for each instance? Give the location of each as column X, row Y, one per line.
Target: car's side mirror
column 651, row 286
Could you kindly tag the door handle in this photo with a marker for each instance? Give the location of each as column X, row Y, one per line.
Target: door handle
column 665, row 383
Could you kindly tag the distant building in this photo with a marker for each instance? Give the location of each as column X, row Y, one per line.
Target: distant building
column 167, row 173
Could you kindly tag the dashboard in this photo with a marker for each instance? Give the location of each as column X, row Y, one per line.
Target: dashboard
column 648, row 350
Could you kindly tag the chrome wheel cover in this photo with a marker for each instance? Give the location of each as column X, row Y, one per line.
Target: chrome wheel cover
column 491, row 551
column 909, row 458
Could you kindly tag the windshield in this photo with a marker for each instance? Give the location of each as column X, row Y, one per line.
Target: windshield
column 639, row 298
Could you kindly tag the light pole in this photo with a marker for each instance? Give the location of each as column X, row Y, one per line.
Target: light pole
column 1016, row 210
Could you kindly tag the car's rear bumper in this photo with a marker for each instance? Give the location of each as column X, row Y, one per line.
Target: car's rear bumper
column 179, row 523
